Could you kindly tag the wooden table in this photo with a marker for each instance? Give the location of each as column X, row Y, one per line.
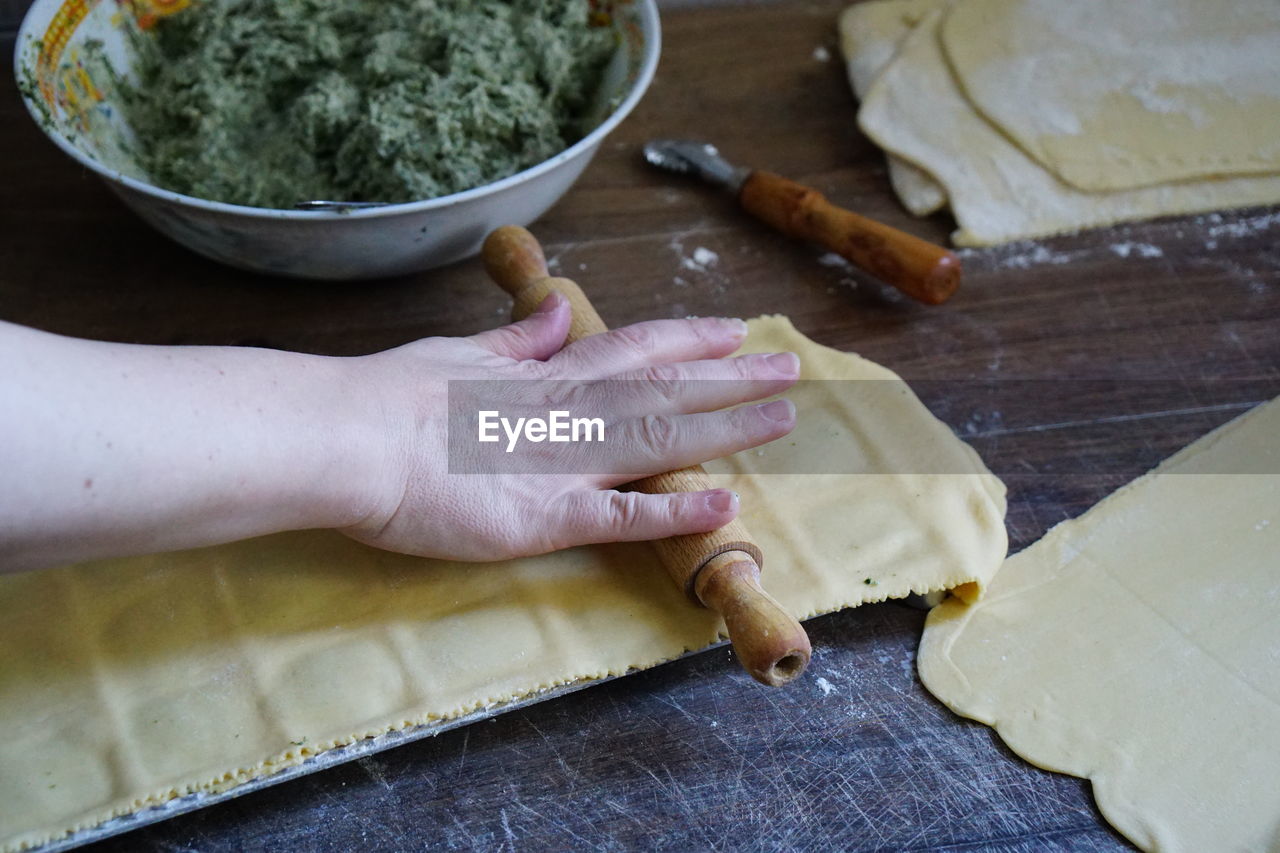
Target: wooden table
column 1178, row 316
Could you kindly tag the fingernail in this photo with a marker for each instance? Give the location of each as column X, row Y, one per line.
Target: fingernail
column 553, row 301
column 779, row 411
column 734, row 325
column 785, row 363
column 722, row 501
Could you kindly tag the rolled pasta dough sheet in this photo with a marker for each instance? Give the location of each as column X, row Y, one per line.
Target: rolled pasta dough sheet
column 916, row 110
column 1117, row 94
column 127, row 683
column 870, row 35
column 1139, row 646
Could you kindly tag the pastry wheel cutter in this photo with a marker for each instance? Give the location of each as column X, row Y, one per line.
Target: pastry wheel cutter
column 918, row 268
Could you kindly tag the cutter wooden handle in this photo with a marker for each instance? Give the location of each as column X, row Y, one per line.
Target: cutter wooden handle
column 720, row 569
column 917, row 267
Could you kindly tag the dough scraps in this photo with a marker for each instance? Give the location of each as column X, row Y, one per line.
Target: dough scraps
column 1139, row 646
column 870, row 35
column 127, row 683
column 915, row 109
column 1117, row 94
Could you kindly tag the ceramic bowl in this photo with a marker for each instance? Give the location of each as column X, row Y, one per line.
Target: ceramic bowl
column 60, row 92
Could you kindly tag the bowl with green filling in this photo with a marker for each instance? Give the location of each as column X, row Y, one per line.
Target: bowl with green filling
column 335, row 139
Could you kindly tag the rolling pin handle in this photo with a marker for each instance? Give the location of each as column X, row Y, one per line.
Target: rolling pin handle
column 513, row 258
column 771, row 644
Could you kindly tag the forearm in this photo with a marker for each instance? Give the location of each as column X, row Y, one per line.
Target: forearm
column 116, row 449
column 112, row 449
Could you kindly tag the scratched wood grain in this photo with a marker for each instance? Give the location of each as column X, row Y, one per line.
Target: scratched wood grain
column 1178, row 315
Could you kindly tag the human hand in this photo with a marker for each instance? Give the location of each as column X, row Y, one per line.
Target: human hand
column 661, row 415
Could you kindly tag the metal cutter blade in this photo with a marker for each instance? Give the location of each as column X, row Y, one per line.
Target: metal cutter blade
column 695, row 158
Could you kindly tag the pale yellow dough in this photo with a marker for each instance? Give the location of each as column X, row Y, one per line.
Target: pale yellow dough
column 1139, row 646
column 870, row 35
column 916, row 110
column 129, row 682
column 1117, row 94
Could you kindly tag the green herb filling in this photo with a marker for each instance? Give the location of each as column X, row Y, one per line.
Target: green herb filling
column 271, row 102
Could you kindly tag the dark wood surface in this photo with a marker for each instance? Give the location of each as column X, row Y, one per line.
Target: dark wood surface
column 1167, row 328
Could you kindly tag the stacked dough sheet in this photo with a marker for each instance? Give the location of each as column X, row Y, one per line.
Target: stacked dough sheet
column 1038, row 117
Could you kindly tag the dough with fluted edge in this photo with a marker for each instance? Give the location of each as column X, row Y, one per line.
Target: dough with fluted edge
column 916, row 110
column 870, row 35
column 1117, row 94
column 127, row 683
column 1139, row 646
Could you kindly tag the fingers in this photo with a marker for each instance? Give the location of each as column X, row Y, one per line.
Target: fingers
column 538, row 336
column 696, row 386
column 591, row 517
column 645, row 344
column 642, row 447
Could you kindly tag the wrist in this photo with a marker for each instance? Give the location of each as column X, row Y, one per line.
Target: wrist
column 361, row 449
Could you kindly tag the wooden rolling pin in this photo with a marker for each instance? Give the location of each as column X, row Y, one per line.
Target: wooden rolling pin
column 720, row 569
